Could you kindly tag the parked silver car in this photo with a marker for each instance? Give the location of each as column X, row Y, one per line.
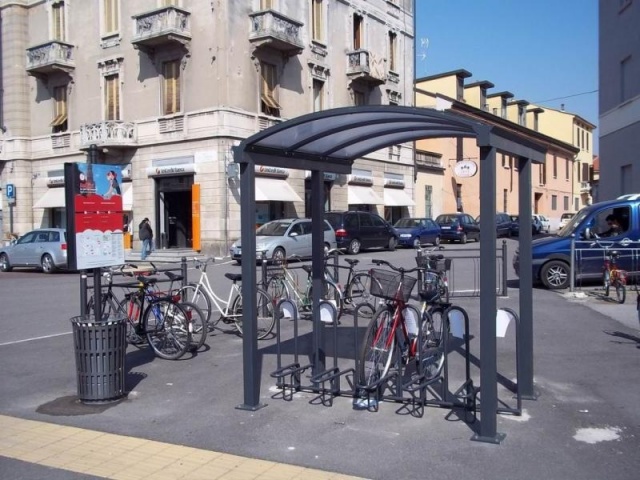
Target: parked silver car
column 287, row 237
column 45, row 248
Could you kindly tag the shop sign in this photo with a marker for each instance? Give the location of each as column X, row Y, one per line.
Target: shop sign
column 360, row 180
column 393, row 183
column 327, row 177
column 465, row 169
column 267, row 171
column 171, row 170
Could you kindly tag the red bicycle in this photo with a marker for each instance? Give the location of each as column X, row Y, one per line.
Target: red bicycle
column 613, row 276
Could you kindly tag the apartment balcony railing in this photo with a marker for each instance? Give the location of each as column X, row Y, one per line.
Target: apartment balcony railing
column 50, row 57
column 364, row 66
column 585, row 187
column 161, row 28
column 109, row 133
column 428, row 161
column 273, row 30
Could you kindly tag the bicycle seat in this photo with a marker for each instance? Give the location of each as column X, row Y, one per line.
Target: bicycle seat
column 307, row 268
column 146, row 281
column 351, row 262
column 614, row 254
column 173, row 277
column 235, row 277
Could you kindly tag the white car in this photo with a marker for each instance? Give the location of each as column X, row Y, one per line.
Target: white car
column 542, row 223
column 564, row 219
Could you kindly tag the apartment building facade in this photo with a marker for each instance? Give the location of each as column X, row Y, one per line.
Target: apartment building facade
column 165, row 89
column 619, row 98
column 552, row 182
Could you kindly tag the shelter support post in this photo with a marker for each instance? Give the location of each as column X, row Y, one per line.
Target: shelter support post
column 317, row 267
column 488, row 300
column 525, row 336
column 250, row 366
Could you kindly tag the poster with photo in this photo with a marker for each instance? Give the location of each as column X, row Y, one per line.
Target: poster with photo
column 94, row 215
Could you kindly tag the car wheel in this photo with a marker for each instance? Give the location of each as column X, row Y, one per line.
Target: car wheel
column 5, row 266
column 391, row 244
column 463, row 239
column 436, row 242
column 416, row 242
column 238, row 262
column 354, row 246
column 555, row 275
column 47, row 264
column 278, row 255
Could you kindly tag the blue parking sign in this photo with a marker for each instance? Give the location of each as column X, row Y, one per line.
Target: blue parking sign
column 10, row 190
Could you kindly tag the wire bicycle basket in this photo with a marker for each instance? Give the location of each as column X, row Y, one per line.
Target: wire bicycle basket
column 391, row 285
column 440, row 265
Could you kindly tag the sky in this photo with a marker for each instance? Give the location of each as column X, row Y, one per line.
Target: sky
column 542, row 51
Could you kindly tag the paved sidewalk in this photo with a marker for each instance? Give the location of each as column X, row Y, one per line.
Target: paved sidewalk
column 585, row 423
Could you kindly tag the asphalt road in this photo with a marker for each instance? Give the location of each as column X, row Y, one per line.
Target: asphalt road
column 584, row 423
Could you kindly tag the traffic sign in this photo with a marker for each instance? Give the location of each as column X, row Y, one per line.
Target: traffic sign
column 10, row 190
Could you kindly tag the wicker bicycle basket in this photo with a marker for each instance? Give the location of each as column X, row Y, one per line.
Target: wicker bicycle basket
column 391, row 285
column 439, row 265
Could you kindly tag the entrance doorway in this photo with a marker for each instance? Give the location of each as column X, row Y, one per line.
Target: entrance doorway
column 174, row 211
column 536, row 202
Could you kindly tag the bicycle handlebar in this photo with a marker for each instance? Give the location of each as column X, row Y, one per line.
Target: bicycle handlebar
column 393, row 267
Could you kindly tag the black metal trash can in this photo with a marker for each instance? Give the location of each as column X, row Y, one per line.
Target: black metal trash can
column 100, row 349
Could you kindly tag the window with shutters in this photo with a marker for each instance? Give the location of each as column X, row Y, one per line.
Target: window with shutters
column 318, row 95
column 60, row 123
column 317, row 24
column 58, row 22
column 112, row 97
column 269, row 90
column 393, row 46
column 111, row 16
column 359, row 98
column 171, row 87
column 266, row 4
column 357, row 31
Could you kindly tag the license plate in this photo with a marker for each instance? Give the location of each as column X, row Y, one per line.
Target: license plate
column 445, row 228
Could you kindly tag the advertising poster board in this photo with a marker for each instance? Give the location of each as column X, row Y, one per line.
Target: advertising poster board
column 93, row 196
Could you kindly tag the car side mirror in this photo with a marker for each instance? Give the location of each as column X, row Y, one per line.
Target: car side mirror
column 587, row 234
column 293, row 234
column 13, row 241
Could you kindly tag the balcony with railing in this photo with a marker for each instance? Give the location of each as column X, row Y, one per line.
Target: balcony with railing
column 428, row 160
column 273, row 30
column 108, row 133
column 585, row 187
column 50, row 57
column 163, row 27
column 364, row 66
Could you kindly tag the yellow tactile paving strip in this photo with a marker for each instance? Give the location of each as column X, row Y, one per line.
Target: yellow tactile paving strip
column 128, row 458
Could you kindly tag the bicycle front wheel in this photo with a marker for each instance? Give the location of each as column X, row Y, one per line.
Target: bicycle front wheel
column 606, row 280
column 278, row 290
column 358, row 292
column 266, row 317
column 621, row 291
column 377, row 349
column 195, row 294
column 198, row 327
column 131, row 306
column 167, row 327
column 431, row 355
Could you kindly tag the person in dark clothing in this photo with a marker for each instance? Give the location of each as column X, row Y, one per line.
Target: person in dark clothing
column 615, row 228
column 145, row 233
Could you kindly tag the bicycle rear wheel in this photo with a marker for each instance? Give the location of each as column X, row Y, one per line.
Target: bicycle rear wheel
column 195, row 294
column 198, row 328
column 606, row 280
column 621, row 291
column 108, row 306
column 278, row 290
column 358, row 292
column 167, row 327
column 266, row 317
column 377, row 349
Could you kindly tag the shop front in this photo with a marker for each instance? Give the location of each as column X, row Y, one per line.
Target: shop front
column 360, row 193
column 274, row 195
column 329, row 179
column 396, row 200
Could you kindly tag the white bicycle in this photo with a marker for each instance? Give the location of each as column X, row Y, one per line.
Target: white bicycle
column 229, row 310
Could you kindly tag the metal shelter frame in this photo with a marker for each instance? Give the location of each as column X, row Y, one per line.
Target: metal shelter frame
column 330, row 141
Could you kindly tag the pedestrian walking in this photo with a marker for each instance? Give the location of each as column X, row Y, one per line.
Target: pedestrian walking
column 145, row 233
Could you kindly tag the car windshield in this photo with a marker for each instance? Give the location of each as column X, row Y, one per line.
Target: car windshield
column 408, row 223
column 273, row 229
column 446, row 219
column 568, row 229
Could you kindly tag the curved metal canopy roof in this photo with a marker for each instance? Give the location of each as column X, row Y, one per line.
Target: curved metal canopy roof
column 339, row 136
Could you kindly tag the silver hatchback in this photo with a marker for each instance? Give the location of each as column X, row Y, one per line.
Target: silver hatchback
column 285, row 238
column 45, row 248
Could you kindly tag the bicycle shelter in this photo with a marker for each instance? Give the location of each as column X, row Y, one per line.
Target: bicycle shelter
column 330, row 141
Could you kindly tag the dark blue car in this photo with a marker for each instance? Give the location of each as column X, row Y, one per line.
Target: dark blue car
column 414, row 232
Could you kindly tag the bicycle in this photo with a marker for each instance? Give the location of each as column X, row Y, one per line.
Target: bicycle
column 357, row 288
column 434, row 284
column 394, row 332
column 230, row 310
column 163, row 320
column 612, row 276
column 285, row 285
